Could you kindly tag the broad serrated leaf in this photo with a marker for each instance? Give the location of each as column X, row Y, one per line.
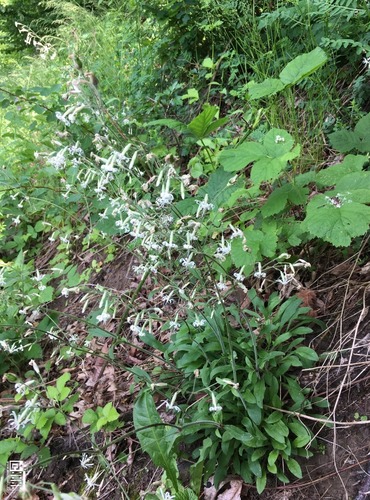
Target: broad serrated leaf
column 363, row 126
column 218, row 188
column 155, row 439
column 236, row 159
column 332, row 175
column 267, row 169
column 303, row 66
column 280, row 197
column 277, row 142
column 268, row 87
column 336, row 220
column 352, row 182
column 345, row 141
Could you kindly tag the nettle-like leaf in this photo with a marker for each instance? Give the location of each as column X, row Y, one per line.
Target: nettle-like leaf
column 358, row 139
column 331, row 175
column 281, row 196
column 338, row 217
column 270, row 158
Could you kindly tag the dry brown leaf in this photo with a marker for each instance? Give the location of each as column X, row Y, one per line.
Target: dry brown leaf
column 232, row 493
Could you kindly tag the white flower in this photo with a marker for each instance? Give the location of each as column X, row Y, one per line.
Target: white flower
column 301, row 263
column 188, row 262
column 278, row 139
column 35, row 366
column 90, row 481
column 86, row 461
column 215, row 408
column 65, row 292
column 366, row 62
column 285, row 277
column 221, row 286
column 236, row 232
column 223, row 250
column 204, row 206
column 104, row 317
column 175, row 325
column 138, row 330
column 198, row 323
column 58, row 161
column 239, row 276
column 165, row 199
column 166, row 495
column 259, row 274
column 22, row 388
column 167, row 299
column 73, row 339
column 16, row 220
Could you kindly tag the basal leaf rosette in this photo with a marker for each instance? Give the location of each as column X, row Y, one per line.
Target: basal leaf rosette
column 337, row 217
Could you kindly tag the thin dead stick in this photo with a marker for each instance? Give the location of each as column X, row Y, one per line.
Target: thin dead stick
column 363, row 314
column 321, row 420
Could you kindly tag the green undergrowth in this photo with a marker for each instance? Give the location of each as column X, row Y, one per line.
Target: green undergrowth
column 216, row 181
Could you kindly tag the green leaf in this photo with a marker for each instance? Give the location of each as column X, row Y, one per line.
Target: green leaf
column 278, row 431
column 60, row 418
column 192, row 95
column 200, row 124
column 64, row 393
column 100, row 423
column 336, row 219
column 52, row 393
column 280, row 197
column 61, row 382
column 236, row 159
column 363, row 126
column 233, row 432
column 156, row 440
column 170, row 123
column 306, row 353
column 333, row 174
column 345, row 141
column 268, row 87
column 273, row 456
column 259, row 392
column 218, row 188
column 294, row 467
column 277, row 142
column 261, row 483
column 89, row 417
column 303, row 66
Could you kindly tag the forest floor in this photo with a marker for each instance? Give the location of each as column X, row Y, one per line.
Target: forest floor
column 339, row 468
